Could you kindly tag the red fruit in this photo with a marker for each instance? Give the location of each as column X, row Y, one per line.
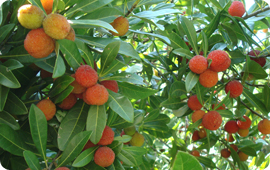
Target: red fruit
column 47, row 107
column 212, row 120
column 38, row 44
column 198, row 64
column 77, row 87
column 231, row 139
column 242, row 156
column 208, row 78
column 231, row 126
column 96, row 95
column 86, row 76
column 195, row 135
column 260, row 60
column 243, row 132
column 104, row 156
column 89, row 144
column 244, row 125
column 237, row 9
column 68, row 102
column 111, row 85
column 254, row 53
column 47, row 5
column 121, row 25
column 225, row 153
column 198, row 114
column 235, row 88
column 234, row 147
column 195, row 153
column 193, row 103
column 202, row 133
column 107, row 136
column 220, row 60
column 80, row 96
column 264, row 126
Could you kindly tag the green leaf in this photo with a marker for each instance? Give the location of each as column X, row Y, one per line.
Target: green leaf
column 126, row 77
column 184, row 161
column 135, row 92
column 117, row 146
column 5, row 30
column 32, row 160
column 191, row 81
column 12, row 64
column 127, row 158
column 206, row 161
column 183, row 53
column 87, row 23
column 256, row 70
column 87, row 54
column 204, row 44
column 125, row 48
column 10, row 140
column 60, row 84
column 216, row 3
column 177, row 89
column 114, row 66
column 213, row 25
column 59, row 98
column 14, row 105
column 71, row 53
column 9, row 120
column 38, row 127
column 226, row 113
column 248, row 150
column 266, row 96
column 190, row 32
column 96, row 122
column 72, row 124
column 7, row 78
column 161, row 37
column 173, row 103
column 85, row 157
column 257, row 103
column 106, row 14
column 109, row 54
column 3, row 96
column 121, row 105
column 74, row 147
column 87, row 7
column 59, row 67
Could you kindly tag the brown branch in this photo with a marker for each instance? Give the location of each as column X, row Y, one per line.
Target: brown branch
column 132, row 8
column 256, row 13
column 252, row 111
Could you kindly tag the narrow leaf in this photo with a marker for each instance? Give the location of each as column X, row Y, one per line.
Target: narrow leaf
column 3, row 96
column 85, row 157
column 191, row 81
column 9, row 120
column 31, row 160
column 184, row 161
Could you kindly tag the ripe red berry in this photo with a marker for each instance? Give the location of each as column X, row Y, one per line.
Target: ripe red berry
column 231, row 126
column 208, row 78
column 212, row 120
column 193, row 103
column 225, row 153
column 220, row 60
column 111, row 85
column 107, row 136
column 235, row 88
column 244, row 125
column 198, row 64
column 260, row 60
column 237, row 9
column 104, row 156
column 86, row 76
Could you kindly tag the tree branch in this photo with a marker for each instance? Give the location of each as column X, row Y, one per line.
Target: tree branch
column 252, row 111
column 256, row 13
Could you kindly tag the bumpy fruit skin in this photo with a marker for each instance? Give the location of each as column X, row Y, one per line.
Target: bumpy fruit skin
column 30, row 16
column 235, row 88
column 220, row 60
column 104, row 156
column 89, row 144
column 56, row 26
column 195, row 135
column 79, row 96
column 47, row 5
column 237, row 9
column 234, row 147
column 202, row 133
column 137, row 139
column 78, row 89
column 47, row 107
column 244, row 125
column 130, row 130
column 86, row 76
column 198, row 114
column 96, row 95
column 198, row 64
column 225, row 153
column 212, row 120
column 208, row 78
column 38, row 44
column 121, row 25
column 68, row 102
column 260, row 61
column 242, row 156
column 231, row 126
column 107, row 136
column 195, row 153
column 71, row 35
column 62, row 168
column 193, row 103
column 243, row 132
column 264, row 126
column 111, row 85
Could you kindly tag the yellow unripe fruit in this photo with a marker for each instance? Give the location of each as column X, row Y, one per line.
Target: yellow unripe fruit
column 137, row 139
column 30, row 16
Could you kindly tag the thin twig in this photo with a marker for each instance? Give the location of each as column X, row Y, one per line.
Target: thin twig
column 252, row 111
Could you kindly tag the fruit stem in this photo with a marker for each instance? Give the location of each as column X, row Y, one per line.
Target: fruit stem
column 132, row 8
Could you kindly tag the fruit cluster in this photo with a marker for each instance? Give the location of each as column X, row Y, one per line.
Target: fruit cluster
column 137, row 138
column 40, row 42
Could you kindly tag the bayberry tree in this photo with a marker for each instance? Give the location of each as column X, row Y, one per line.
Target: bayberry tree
column 134, row 84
